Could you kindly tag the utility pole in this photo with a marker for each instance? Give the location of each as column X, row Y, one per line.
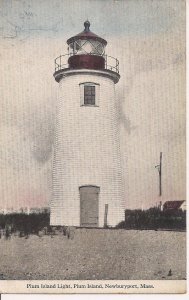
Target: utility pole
column 159, row 168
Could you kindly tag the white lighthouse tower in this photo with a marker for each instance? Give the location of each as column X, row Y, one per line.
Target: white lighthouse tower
column 87, row 177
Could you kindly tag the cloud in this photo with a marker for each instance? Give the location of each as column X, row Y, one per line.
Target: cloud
column 132, row 17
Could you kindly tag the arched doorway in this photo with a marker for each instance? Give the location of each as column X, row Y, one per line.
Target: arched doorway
column 89, row 206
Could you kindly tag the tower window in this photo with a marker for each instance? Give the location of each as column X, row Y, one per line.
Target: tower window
column 89, row 95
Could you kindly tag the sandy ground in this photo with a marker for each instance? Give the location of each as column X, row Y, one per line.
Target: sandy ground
column 95, row 254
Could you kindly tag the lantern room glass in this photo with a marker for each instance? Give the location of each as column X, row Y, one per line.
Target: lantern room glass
column 86, row 47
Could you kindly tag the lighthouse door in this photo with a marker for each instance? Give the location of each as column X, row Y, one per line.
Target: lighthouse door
column 89, row 206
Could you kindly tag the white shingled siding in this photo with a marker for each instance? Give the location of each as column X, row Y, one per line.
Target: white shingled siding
column 86, row 152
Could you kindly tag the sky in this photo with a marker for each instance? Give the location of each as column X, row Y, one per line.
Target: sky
column 148, row 38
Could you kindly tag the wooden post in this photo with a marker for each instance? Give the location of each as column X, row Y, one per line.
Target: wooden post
column 160, row 167
column 106, row 216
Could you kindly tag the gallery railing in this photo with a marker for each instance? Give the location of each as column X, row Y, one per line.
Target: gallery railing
column 111, row 63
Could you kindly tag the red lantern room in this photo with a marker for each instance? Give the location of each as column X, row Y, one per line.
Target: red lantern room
column 86, row 50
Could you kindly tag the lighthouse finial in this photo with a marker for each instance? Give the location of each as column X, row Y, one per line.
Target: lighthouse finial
column 87, row 25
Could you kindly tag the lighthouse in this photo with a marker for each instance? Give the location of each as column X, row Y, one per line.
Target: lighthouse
column 87, row 186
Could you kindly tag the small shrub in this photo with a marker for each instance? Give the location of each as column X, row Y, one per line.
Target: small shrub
column 154, row 219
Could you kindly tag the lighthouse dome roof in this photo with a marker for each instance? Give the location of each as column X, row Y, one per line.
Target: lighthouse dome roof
column 86, row 34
